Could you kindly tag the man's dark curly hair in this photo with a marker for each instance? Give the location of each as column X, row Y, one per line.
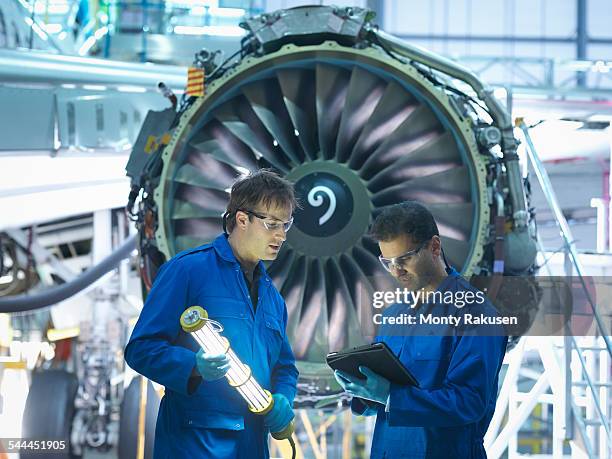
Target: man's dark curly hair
column 408, row 217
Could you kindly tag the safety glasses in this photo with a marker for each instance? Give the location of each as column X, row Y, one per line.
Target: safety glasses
column 402, row 260
column 273, row 225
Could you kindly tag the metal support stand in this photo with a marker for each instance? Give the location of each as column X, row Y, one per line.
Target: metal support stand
column 98, row 399
column 576, row 369
column 313, row 427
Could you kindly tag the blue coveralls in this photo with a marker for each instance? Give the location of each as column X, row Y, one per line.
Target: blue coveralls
column 214, row 420
column 448, row 415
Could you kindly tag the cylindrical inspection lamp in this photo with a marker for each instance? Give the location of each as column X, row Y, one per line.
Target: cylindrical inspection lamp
column 206, row 332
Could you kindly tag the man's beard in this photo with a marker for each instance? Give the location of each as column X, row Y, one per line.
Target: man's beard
column 416, row 282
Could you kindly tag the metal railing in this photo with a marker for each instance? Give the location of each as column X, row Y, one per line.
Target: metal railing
column 571, row 344
column 564, row 228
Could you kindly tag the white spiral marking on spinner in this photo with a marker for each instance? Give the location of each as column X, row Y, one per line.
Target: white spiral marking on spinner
column 317, row 200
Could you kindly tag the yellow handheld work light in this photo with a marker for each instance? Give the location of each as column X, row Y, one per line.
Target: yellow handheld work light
column 194, row 320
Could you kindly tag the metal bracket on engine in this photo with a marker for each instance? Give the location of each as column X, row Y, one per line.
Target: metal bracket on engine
column 308, row 25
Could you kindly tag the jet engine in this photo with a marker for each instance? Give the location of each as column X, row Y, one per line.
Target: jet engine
column 358, row 120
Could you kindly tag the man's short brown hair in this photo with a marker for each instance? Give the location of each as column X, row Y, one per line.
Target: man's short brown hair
column 260, row 187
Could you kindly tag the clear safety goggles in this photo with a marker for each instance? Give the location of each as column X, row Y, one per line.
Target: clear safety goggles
column 269, row 223
column 402, row 260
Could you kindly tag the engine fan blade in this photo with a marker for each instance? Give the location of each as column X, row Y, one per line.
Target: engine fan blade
column 332, row 86
column 299, row 92
column 364, row 92
column 267, row 102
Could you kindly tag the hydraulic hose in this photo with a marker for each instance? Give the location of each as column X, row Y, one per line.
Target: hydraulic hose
column 500, row 115
column 53, row 295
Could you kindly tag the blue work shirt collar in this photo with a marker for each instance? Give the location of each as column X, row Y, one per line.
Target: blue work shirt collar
column 452, row 274
column 224, row 250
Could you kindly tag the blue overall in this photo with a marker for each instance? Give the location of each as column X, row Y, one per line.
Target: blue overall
column 211, row 419
column 449, row 413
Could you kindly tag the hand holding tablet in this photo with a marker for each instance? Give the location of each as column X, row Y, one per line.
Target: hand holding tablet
column 376, row 357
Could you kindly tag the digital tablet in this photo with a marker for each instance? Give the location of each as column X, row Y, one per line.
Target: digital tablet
column 377, row 357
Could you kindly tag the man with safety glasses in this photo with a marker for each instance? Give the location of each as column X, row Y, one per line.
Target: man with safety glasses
column 457, row 368
column 200, row 414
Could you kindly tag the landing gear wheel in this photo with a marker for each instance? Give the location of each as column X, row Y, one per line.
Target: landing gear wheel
column 128, row 423
column 49, row 411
